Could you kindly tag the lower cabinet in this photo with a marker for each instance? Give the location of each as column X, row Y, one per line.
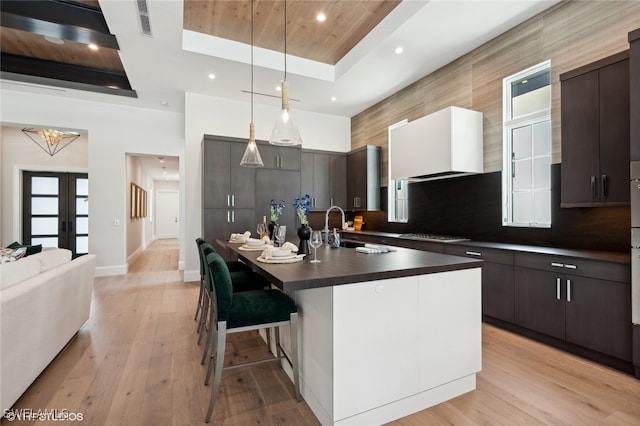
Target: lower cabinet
column 593, row 313
column 497, row 279
column 397, row 338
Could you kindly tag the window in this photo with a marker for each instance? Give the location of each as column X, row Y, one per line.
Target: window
column 526, row 177
column 397, row 190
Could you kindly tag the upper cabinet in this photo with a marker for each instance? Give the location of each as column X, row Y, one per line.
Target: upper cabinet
column 280, row 157
column 595, row 133
column 324, row 178
column 363, row 178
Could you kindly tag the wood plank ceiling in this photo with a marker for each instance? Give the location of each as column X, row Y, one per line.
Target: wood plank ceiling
column 348, row 21
column 65, row 60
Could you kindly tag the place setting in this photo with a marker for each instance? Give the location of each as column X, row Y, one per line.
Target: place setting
column 288, row 253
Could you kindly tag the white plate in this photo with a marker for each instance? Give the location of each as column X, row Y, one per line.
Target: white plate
column 255, row 243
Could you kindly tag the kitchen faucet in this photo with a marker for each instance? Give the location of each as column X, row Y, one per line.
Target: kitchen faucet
column 326, row 219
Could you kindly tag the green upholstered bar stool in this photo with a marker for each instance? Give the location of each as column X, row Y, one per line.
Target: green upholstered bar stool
column 233, row 267
column 248, row 310
column 242, row 278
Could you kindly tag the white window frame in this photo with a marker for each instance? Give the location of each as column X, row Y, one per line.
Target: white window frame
column 508, row 125
column 391, row 183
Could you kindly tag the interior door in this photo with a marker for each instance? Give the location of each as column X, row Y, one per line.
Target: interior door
column 167, row 203
column 55, row 210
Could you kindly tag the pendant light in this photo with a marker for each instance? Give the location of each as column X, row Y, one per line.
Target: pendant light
column 285, row 131
column 251, row 157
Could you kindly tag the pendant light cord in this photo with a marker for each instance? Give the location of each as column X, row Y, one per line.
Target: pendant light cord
column 285, row 39
column 252, row 61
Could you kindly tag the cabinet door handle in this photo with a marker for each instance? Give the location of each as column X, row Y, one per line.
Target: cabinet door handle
column 558, row 280
column 228, row 216
column 568, row 290
column 570, row 266
column 331, row 202
column 594, row 187
column 233, row 216
column 473, row 253
column 557, row 265
column 228, row 200
column 233, row 200
column 605, row 186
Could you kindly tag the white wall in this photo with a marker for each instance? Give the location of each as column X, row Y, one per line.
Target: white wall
column 21, row 153
column 115, row 130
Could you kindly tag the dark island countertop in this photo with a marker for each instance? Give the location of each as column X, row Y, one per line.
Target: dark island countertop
column 346, row 265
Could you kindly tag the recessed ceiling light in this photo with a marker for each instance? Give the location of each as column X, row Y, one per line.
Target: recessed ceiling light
column 164, row 103
column 278, row 88
column 212, row 76
column 54, row 40
column 93, row 46
column 399, row 50
column 321, row 17
column 333, row 98
column 525, row 81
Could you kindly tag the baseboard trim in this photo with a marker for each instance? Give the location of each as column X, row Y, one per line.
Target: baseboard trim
column 108, row 271
column 192, row 275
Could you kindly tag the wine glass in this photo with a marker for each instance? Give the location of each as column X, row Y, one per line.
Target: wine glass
column 281, row 233
column 315, row 242
column 261, row 229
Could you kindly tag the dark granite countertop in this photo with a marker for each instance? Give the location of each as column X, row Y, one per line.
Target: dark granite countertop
column 606, row 256
column 346, row 266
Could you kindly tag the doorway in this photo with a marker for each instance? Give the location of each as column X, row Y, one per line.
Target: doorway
column 55, row 210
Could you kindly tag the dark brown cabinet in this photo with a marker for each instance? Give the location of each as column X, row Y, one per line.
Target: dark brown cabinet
column 558, row 298
column 595, row 133
column 235, row 198
column 324, row 178
column 497, row 279
column 280, row 157
column 228, row 190
column 363, row 178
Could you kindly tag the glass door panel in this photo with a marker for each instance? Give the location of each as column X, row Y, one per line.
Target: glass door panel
column 56, row 210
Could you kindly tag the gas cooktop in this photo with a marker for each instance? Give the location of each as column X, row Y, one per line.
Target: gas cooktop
column 433, row 237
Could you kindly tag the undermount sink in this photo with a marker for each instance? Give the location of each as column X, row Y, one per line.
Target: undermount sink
column 351, row 244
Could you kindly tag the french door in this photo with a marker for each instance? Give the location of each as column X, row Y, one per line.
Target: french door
column 55, row 210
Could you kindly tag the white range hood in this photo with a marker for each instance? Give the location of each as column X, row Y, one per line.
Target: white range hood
column 444, row 144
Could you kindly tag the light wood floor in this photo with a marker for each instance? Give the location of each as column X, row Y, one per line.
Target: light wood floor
column 135, row 362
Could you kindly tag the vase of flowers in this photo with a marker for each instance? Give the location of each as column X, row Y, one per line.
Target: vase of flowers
column 275, row 210
column 302, row 206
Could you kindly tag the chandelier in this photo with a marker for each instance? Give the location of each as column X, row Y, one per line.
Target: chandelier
column 51, row 141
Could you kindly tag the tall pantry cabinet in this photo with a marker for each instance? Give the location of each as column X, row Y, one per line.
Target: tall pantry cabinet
column 228, row 190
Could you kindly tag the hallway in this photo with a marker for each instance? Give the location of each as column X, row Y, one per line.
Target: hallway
column 161, row 255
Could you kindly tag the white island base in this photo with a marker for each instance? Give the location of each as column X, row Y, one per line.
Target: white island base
column 373, row 352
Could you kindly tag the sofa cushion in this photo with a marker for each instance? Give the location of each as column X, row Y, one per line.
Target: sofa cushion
column 14, row 272
column 51, row 258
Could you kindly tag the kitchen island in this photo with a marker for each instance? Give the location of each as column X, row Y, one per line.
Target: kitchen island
column 381, row 335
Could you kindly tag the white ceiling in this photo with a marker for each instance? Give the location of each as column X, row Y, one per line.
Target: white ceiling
column 163, row 67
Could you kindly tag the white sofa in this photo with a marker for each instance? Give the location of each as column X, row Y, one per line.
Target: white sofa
column 44, row 300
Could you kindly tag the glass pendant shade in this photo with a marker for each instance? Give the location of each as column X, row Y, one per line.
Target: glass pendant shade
column 285, row 132
column 251, row 157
